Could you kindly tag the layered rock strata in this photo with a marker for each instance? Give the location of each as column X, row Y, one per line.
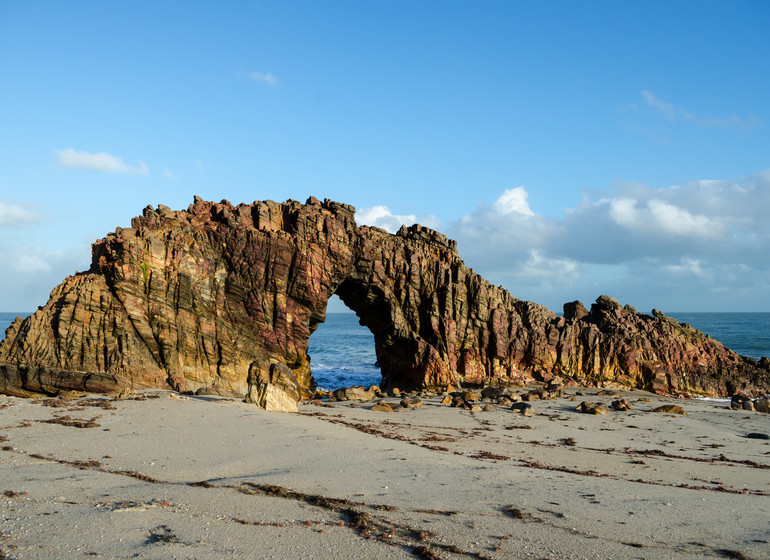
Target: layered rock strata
column 215, row 298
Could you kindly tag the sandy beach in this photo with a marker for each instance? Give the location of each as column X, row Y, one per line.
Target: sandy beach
column 160, row 475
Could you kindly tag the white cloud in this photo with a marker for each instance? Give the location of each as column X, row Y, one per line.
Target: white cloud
column 260, row 77
column 34, row 271
column 99, row 162
column 622, row 210
column 508, row 243
column 547, row 268
column 687, row 267
column 11, row 214
column 513, row 200
column 170, row 175
column 679, row 221
column 507, row 229
column 678, row 246
column 660, row 216
column 675, row 113
column 30, row 261
column 702, row 219
column 381, row 216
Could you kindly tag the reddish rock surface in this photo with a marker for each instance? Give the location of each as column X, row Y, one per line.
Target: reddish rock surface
column 195, row 300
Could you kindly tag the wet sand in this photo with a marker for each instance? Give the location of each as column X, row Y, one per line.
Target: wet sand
column 159, row 475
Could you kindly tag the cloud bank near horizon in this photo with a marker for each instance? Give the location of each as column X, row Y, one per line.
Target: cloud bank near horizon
column 645, row 245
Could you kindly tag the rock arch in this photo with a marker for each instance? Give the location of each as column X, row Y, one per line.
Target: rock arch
column 207, row 299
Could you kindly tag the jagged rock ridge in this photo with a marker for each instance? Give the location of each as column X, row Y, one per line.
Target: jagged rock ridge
column 213, row 298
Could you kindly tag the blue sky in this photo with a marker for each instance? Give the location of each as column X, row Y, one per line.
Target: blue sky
column 572, row 148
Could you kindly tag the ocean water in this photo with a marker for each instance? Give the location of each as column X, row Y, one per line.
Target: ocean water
column 748, row 334
column 342, row 351
column 7, row 318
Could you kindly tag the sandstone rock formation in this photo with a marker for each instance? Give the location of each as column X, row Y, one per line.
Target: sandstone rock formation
column 273, row 387
column 213, row 298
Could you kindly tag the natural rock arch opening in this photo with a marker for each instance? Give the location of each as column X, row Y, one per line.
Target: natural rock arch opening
column 342, row 351
column 396, row 341
column 374, row 312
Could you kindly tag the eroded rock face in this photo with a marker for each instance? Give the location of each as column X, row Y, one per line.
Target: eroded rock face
column 191, row 300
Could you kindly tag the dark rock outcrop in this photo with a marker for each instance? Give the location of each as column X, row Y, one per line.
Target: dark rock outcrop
column 195, row 300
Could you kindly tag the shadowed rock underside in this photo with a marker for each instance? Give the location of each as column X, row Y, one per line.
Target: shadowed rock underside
column 215, row 298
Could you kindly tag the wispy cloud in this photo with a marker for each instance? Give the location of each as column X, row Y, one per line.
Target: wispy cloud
column 666, row 109
column 99, row 162
column 169, row 175
column 11, row 214
column 733, row 121
column 260, row 77
column 676, row 113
